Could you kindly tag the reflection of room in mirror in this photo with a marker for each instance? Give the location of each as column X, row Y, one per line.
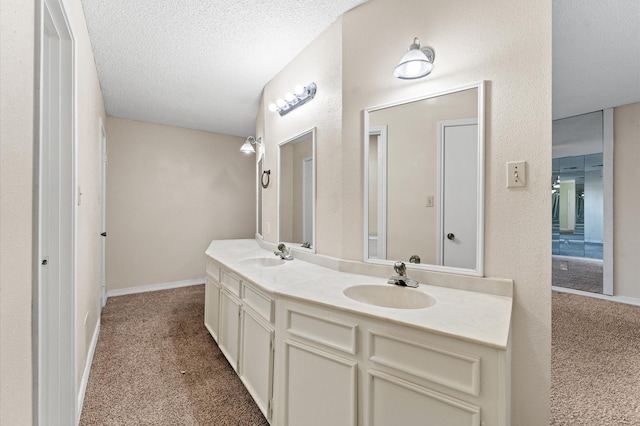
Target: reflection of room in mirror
column 296, row 191
column 414, row 184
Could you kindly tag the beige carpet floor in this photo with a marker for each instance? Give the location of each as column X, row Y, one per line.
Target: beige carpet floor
column 595, row 362
column 156, row 364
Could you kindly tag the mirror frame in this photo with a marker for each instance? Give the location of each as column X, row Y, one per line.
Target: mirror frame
column 312, row 132
column 479, row 268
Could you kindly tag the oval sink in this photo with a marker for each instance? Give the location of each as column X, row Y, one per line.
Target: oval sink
column 390, row 296
column 262, row 261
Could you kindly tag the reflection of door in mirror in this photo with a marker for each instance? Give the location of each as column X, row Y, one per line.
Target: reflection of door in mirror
column 377, row 184
column 458, row 140
column 296, row 191
column 407, row 188
column 259, row 197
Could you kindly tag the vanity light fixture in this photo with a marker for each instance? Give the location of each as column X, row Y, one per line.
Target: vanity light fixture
column 416, row 63
column 247, row 147
column 292, row 100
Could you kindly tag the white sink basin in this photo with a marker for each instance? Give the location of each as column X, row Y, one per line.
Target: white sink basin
column 262, row 261
column 390, row 296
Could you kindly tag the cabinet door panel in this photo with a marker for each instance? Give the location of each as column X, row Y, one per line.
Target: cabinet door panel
column 321, row 389
column 256, row 364
column 396, row 401
column 212, row 307
column 229, row 327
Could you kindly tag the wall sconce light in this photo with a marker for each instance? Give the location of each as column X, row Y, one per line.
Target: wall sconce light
column 416, row 63
column 247, row 147
column 300, row 96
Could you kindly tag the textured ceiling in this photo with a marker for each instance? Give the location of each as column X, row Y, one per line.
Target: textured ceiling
column 202, row 64
column 199, row 64
column 596, row 55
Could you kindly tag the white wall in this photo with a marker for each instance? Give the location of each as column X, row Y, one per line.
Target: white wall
column 90, row 112
column 170, row 191
column 17, row 69
column 626, row 203
column 16, row 191
column 473, row 41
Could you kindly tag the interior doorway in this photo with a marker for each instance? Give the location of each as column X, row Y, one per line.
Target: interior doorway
column 55, row 197
column 582, row 203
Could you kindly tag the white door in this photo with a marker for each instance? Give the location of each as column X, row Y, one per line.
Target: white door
column 103, row 216
column 459, row 151
column 56, row 383
column 307, row 200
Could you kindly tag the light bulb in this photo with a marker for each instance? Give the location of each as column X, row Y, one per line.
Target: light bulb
column 289, row 97
column 273, row 107
column 299, row 90
column 281, row 103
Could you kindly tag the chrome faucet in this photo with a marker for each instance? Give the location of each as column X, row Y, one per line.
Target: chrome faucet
column 283, row 252
column 401, row 278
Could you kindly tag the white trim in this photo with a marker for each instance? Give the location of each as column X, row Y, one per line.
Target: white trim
column 607, row 181
column 618, row 299
column 87, row 370
column 154, row 287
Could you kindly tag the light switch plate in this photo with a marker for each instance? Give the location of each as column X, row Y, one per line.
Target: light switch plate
column 516, row 174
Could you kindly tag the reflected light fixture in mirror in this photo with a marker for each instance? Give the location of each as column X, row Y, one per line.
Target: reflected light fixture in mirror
column 247, row 146
column 292, row 100
column 416, row 63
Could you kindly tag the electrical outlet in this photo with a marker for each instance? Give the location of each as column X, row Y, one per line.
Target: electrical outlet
column 516, row 174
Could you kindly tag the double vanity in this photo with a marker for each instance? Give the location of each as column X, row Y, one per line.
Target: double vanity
column 318, row 346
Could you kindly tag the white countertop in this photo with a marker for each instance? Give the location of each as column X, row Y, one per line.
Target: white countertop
column 467, row 315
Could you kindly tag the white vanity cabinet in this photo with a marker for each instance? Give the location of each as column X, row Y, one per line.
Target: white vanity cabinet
column 212, row 298
column 341, row 368
column 257, row 346
column 240, row 318
column 317, row 366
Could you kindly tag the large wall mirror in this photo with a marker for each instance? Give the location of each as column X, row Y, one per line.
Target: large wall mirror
column 424, row 181
column 297, row 191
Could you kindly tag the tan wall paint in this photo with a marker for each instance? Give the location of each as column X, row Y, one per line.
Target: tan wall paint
column 16, row 172
column 170, row 191
column 626, row 242
column 473, row 41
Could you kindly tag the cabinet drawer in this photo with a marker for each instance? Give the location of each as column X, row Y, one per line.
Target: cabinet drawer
column 231, row 283
column 260, row 303
column 213, row 270
column 330, row 332
column 453, row 370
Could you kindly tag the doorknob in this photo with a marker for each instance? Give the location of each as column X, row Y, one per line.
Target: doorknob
column 104, row 234
column 450, row 236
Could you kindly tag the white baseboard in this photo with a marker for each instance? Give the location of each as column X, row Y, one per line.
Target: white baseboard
column 619, row 299
column 154, row 287
column 87, row 370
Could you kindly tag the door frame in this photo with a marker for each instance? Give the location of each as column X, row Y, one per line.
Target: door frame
column 442, row 125
column 381, row 133
column 54, row 356
column 103, row 213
